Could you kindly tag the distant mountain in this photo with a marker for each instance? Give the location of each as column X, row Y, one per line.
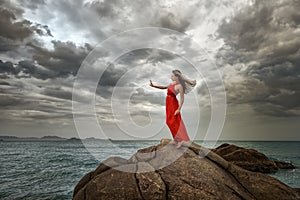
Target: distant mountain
column 14, row 138
column 8, row 137
column 92, row 138
column 73, row 139
column 49, row 137
column 57, row 138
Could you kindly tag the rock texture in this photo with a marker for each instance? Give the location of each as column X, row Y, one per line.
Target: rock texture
column 250, row 159
column 190, row 176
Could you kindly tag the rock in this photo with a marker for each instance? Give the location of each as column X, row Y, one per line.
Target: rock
column 250, row 159
column 284, row 165
column 298, row 191
column 165, row 172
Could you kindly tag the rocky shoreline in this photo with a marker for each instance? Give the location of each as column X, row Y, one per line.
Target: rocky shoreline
column 191, row 172
column 250, row 159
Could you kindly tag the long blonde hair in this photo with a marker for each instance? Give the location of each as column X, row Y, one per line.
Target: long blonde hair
column 186, row 83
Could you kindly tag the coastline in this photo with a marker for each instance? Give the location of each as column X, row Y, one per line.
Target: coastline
column 146, row 167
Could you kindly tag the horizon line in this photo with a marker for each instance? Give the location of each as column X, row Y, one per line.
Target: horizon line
column 238, row 140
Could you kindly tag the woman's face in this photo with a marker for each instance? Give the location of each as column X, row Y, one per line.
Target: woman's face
column 173, row 77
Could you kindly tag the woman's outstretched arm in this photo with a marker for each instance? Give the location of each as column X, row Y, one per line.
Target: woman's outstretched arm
column 158, row 86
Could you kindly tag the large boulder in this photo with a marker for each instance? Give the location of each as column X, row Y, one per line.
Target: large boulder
column 190, row 172
column 250, row 159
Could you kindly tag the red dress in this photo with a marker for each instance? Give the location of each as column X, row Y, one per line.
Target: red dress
column 175, row 122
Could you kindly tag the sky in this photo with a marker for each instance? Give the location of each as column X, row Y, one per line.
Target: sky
column 253, row 45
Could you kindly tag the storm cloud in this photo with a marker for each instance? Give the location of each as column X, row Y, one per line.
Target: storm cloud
column 262, row 45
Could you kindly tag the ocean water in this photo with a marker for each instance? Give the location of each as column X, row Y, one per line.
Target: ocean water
column 51, row 169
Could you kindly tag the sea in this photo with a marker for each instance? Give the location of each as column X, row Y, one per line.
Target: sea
column 51, row 169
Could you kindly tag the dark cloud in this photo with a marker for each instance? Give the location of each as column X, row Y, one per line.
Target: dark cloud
column 11, row 29
column 148, row 55
column 15, row 29
column 64, row 60
column 274, row 110
column 277, row 75
column 171, row 21
column 7, row 44
column 4, row 83
column 58, row 92
column 133, row 69
column 128, row 61
column 139, row 13
column 9, row 100
column 8, row 68
column 264, row 38
column 111, row 75
column 28, row 105
column 106, row 8
column 28, row 67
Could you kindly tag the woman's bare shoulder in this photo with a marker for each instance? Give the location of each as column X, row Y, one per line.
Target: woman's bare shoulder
column 178, row 86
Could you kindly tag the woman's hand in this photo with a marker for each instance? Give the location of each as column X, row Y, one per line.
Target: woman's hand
column 158, row 86
column 176, row 112
column 151, row 84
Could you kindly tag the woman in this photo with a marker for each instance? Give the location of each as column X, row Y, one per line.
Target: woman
column 180, row 85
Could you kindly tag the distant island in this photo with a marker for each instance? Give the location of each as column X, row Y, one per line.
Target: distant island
column 51, row 138
column 57, row 138
column 45, row 138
